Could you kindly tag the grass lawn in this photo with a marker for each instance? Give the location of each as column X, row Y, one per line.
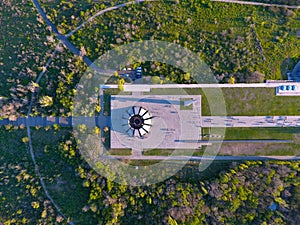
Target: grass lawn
column 120, row 152
column 257, row 149
column 240, row 133
column 168, row 152
column 106, row 141
column 183, row 107
column 246, row 101
column 254, row 102
column 263, row 133
column 191, row 171
column 107, row 94
column 259, row 102
column 141, row 162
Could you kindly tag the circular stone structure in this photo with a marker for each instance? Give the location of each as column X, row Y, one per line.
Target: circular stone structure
column 140, row 121
column 136, row 122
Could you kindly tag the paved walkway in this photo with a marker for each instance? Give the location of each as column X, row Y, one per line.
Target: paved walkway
column 238, row 141
column 206, row 121
column 38, row 121
column 100, row 121
column 148, row 87
column 197, row 158
column 251, row 121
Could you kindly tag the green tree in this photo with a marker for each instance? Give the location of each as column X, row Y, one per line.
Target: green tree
column 156, row 80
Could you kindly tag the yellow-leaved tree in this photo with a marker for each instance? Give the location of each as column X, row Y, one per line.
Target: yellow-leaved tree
column 46, row 101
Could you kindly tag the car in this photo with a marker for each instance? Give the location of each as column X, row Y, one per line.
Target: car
column 288, row 87
column 138, row 69
column 282, row 88
column 294, row 87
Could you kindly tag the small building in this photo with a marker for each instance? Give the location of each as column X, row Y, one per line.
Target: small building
column 288, row 89
column 295, row 73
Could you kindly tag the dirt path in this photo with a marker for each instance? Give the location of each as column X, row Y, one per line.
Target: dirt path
column 197, row 158
column 104, row 11
column 63, row 39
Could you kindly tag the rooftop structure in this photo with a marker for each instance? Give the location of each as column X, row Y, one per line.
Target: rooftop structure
column 290, row 89
column 139, row 121
column 295, row 73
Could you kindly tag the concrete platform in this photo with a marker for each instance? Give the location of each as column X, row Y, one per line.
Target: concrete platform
column 170, row 124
